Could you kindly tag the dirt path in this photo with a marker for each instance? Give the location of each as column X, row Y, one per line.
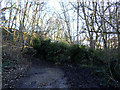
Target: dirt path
column 47, row 75
column 43, row 75
column 81, row 77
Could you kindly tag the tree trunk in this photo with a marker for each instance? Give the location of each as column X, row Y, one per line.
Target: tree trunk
column 78, row 22
column 119, row 47
column 88, row 28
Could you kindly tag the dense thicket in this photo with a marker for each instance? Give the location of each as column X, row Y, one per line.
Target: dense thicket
column 63, row 53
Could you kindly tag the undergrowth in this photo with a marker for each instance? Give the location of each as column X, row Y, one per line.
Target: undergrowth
column 75, row 54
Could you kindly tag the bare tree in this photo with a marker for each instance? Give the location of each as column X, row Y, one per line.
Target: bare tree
column 78, row 6
column 67, row 19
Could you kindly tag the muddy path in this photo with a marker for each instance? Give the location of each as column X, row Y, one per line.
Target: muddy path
column 81, row 77
column 42, row 75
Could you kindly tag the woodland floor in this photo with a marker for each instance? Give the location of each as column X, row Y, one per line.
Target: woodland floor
column 47, row 75
column 80, row 77
column 35, row 73
column 43, row 75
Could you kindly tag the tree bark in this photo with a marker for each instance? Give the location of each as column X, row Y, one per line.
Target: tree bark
column 78, row 22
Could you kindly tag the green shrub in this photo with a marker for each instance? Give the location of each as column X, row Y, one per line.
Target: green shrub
column 77, row 53
column 57, row 51
column 44, row 48
column 62, row 53
column 96, row 57
column 52, row 51
column 36, row 43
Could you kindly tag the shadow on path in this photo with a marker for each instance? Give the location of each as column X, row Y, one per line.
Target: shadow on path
column 42, row 75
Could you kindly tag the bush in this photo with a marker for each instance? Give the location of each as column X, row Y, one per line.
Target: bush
column 52, row 51
column 62, row 53
column 57, row 51
column 36, row 43
column 77, row 53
